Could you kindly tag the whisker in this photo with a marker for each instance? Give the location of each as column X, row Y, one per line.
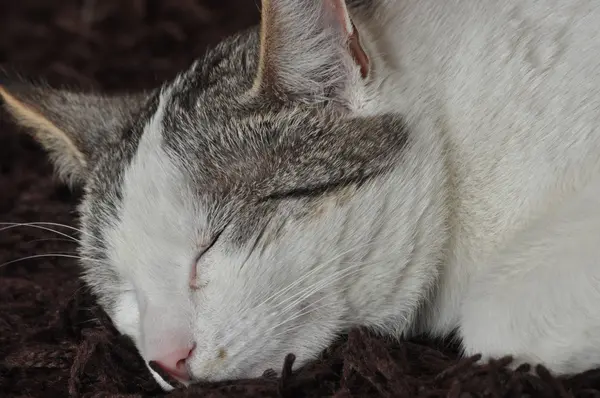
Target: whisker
column 322, row 283
column 80, row 288
column 337, row 274
column 32, row 225
column 90, row 320
column 303, row 278
column 307, row 310
column 341, row 273
column 345, row 272
column 301, row 325
column 313, row 271
column 320, row 286
column 50, row 239
column 46, row 255
column 286, row 331
column 53, row 224
column 355, row 268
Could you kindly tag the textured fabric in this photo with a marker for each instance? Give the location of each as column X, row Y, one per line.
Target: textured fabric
column 54, row 341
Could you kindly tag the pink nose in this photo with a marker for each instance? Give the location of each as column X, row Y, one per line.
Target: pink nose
column 174, row 363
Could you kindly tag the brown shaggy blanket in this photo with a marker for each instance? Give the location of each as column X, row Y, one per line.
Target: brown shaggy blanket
column 54, row 340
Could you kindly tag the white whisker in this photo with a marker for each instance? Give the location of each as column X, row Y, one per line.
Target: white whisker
column 338, row 274
column 307, row 310
column 35, row 225
column 50, row 239
column 320, row 286
column 331, row 279
column 73, row 256
column 322, row 283
column 53, row 224
column 286, row 331
column 312, row 272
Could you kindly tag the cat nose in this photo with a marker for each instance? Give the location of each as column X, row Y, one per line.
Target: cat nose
column 174, row 362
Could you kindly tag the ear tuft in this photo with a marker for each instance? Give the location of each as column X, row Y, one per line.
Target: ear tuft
column 73, row 127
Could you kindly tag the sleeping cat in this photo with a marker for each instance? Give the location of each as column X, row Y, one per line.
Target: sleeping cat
column 413, row 166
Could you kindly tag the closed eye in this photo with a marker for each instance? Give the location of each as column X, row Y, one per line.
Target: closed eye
column 194, row 283
column 315, row 190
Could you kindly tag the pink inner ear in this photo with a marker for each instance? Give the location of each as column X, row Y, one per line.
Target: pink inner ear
column 358, row 53
column 341, row 12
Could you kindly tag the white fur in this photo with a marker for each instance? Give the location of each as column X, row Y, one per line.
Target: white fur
column 540, row 294
column 154, row 248
column 242, row 303
column 513, row 88
column 490, row 221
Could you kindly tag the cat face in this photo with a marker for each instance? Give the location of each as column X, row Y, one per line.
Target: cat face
column 227, row 235
column 220, row 265
column 216, row 214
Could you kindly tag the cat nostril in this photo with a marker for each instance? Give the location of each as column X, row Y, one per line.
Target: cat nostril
column 175, row 363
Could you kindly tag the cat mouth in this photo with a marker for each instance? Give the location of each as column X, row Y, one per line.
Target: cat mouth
column 177, row 380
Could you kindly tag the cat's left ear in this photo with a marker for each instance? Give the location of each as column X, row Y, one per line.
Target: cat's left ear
column 75, row 128
column 310, row 50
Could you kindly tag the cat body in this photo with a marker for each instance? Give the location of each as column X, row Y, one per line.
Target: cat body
column 413, row 166
column 508, row 87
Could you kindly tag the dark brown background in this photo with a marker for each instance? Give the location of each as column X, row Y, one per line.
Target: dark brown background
column 54, row 341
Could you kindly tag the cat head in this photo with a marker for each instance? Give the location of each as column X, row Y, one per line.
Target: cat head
column 216, row 207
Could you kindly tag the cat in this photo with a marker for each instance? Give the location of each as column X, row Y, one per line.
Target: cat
column 411, row 166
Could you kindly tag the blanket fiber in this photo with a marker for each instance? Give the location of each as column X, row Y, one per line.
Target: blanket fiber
column 55, row 341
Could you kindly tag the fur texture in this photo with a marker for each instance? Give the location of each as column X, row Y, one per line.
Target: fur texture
column 436, row 194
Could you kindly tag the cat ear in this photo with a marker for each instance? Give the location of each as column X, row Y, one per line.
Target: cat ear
column 73, row 127
column 309, row 49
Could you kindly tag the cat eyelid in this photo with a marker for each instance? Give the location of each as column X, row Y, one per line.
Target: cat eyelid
column 210, row 245
column 193, row 274
column 313, row 191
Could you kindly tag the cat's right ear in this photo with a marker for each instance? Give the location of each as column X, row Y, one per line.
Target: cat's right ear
column 310, row 50
column 74, row 127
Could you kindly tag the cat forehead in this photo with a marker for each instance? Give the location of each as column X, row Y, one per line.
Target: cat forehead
column 157, row 221
column 178, row 186
column 184, row 121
